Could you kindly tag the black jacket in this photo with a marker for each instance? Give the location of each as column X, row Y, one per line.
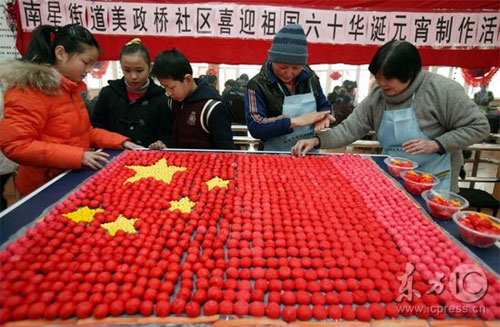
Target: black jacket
column 264, row 101
column 235, row 101
column 145, row 120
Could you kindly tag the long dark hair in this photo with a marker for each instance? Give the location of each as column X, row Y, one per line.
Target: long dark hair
column 46, row 38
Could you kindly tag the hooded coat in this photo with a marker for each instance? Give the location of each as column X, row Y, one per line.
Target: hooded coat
column 201, row 121
column 46, row 127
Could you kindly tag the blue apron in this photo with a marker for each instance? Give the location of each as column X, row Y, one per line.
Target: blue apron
column 401, row 125
column 293, row 106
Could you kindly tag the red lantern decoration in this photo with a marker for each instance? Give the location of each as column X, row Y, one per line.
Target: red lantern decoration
column 99, row 69
column 335, row 75
column 211, row 71
column 479, row 76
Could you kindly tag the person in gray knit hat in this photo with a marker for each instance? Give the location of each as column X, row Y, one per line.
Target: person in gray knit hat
column 284, row 102
column 417, row 115
column 289, row 46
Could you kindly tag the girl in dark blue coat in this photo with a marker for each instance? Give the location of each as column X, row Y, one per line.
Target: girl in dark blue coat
column 134, row 105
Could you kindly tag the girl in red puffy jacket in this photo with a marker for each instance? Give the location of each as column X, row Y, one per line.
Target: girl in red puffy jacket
column 46, row 127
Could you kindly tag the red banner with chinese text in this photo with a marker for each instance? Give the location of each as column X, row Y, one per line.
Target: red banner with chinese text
column 448, row 33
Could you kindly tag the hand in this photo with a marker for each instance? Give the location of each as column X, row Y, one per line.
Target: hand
column 95, row 160
column 325, row 123
column 420, row 146
column 132, row 146
column 308, row 119
column 303, row 146
column 158, row 145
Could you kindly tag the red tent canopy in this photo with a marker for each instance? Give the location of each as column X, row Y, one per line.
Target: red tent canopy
column 448, row 33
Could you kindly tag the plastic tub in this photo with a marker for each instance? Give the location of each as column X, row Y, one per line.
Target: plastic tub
column 442, row 205
column 397, row 165
column 472, row 228
column 417, row 181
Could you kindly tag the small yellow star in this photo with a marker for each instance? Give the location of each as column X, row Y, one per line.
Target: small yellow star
column 160, row 171
column 217, row 181
column 84, row 214
column 121, row 223
column 185, row 205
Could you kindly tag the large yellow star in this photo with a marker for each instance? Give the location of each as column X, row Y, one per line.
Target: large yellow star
column 84, row 214
column 217, row 182
column 185, row 205
column 121, row 223
column 160, row 171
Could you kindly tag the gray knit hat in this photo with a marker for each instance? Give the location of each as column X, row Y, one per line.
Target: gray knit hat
column 289, row 46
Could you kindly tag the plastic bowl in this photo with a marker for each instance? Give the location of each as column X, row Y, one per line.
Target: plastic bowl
column 472, row 236
column 439, row 204
column 415, row 187
column 395, row 169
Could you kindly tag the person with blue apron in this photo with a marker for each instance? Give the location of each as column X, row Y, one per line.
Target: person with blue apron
column 284, row 103
column 293, row 106
column 399, row 126
column 417, row 114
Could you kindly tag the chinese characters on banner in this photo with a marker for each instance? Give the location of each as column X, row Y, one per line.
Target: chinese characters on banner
column 462, row 29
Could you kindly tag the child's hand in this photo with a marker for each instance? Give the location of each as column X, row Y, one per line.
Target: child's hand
column 325, row 123
column 132, row 146
column 158, row 145
column 95, row 160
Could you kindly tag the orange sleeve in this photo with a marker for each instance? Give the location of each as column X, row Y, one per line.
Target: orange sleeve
column 20, row 130
column 100, row 138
